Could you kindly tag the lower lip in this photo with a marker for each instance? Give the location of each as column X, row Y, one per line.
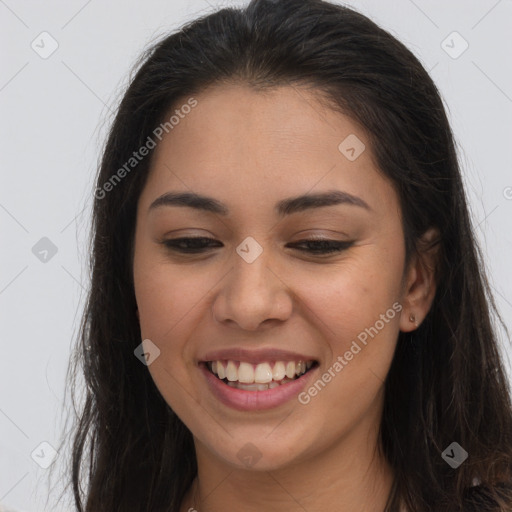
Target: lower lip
column 243, row 400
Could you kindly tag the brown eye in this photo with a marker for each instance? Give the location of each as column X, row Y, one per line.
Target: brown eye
column 191, row 244
column 324, row 246
column 201, row 244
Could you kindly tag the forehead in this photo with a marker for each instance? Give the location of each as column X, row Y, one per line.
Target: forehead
column 252, row 146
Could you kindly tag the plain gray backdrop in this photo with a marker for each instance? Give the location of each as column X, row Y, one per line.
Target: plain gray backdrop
column 64, row 67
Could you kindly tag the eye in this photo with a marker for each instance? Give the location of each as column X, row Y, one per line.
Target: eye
column 322, row 246
column 193, row 245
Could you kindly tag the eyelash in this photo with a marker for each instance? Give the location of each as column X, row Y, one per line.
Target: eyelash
column 324, row 246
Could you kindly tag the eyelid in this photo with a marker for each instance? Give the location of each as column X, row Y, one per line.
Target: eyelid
column 332, row 246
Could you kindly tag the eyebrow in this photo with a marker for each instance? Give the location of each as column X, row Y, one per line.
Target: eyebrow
column 284, row 207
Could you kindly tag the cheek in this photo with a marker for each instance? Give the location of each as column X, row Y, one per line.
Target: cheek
column 166, row 307
column 356, row 308
column 346, row 308
column 351, row 296
column 172, row 303
column 167, row 296
column 161, row 303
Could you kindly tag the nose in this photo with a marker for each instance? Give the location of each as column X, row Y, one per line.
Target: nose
column 253, row 294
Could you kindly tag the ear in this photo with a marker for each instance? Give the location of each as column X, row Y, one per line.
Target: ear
column 420, row 281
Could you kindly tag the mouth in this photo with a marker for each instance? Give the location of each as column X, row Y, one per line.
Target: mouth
column 263, row 376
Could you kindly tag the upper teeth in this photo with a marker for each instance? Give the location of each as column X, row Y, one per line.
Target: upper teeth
column 262, row 373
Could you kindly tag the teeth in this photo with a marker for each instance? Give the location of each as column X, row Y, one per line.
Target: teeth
column 249, row 387
column 231, row 371
column 263, row 373
column 279, row 371
column 243, row 375
column 257, row 387
column 221, row 371
column 246, row 373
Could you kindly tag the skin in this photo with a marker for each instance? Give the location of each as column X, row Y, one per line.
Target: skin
column 250, row 149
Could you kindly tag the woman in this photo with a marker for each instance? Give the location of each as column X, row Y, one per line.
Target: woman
column 288, row 309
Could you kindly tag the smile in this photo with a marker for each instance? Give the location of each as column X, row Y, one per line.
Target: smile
column 257, row 385
column 258, row 377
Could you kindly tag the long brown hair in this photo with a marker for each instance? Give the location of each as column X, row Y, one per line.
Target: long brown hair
column 446, row 383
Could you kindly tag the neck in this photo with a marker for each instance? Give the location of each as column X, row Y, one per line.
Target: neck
column 352, row 476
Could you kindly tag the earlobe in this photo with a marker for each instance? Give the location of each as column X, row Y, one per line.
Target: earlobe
column 420, row 287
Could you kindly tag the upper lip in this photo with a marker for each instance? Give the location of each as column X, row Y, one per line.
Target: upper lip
column 255, row 356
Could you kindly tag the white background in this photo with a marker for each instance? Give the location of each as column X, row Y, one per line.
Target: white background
column 54, row 115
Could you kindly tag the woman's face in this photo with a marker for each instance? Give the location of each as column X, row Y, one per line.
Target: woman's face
column 258, row 299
